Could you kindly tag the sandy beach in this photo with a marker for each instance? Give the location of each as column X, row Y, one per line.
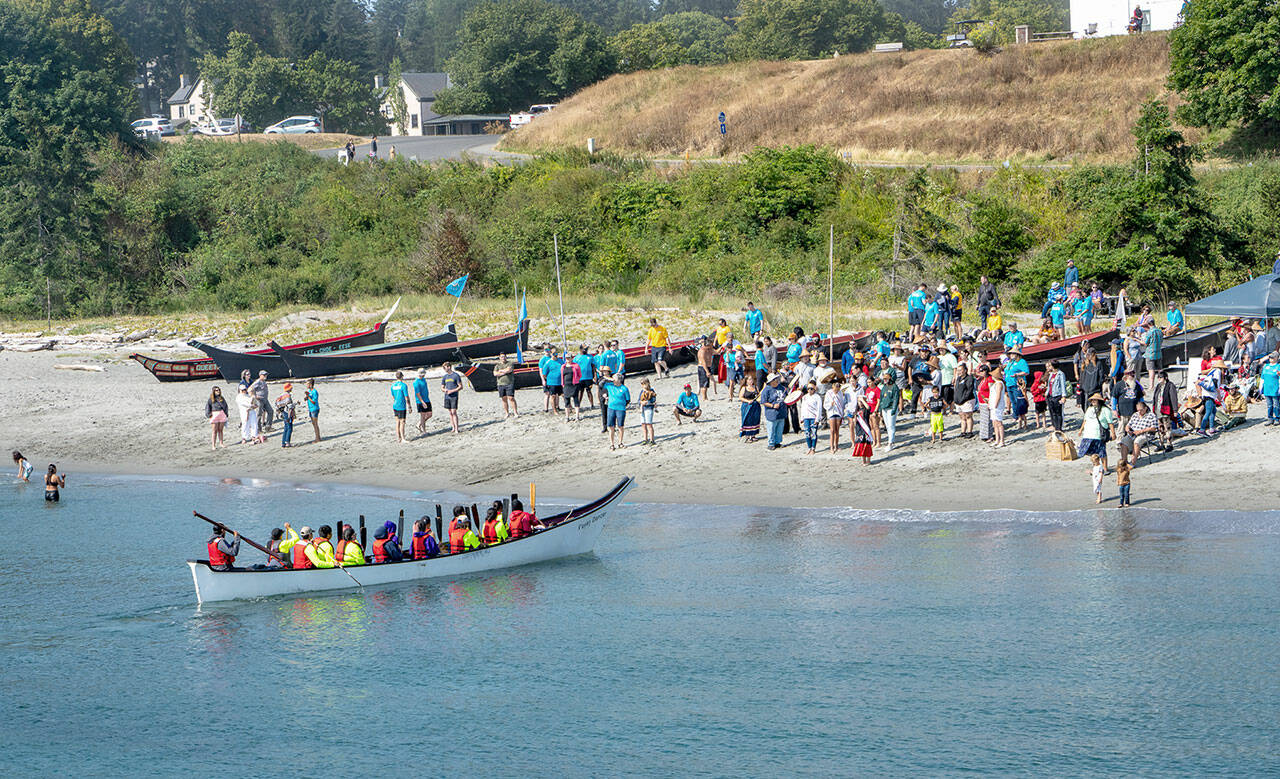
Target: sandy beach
column 121, row 420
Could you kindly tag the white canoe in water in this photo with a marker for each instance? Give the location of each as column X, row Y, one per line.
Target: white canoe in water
column 568, row 534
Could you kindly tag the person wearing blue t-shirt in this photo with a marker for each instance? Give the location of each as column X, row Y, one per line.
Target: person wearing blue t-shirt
column 400, row 404
column 846, row 362
column 754, row 319
column 1058, row 315
column 552, row 379
column 586, row 385
column 422, row 399
column 619, row 398
column 1270, row 373
column 930, row 321
column 1084, row 314
column 1014, row 337
column 1016, row 369
column 794, row 349
column 915, row 310
column 882, row 346
column 1176, row 321
column 616, row 360
column 542, row 372
column 687, row 406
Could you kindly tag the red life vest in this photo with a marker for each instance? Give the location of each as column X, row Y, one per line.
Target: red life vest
column 456, row 536
column 419, row 547
column 216, row 556
column 491, row 531
column 521, row 524
column 340, row 550
column 300, row 559
column 379, row 556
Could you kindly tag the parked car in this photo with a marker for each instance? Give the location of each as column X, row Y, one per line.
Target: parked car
column 219, row 127
column 296, row 124
column 524, row 117
column 152, row 127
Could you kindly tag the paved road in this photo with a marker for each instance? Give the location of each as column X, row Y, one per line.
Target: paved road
column 428, row 148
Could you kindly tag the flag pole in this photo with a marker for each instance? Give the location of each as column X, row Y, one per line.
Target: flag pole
column 456, row 301
column 564, row 339
column 831, row 305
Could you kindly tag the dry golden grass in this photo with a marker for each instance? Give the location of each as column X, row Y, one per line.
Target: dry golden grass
column 305, row 140
column 1067, row 100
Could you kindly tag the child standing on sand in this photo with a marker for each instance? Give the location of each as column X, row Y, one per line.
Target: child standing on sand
column 1098, row 472
column 1123, row 471
column 936, row 405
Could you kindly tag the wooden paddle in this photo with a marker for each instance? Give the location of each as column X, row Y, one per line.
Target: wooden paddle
column 251, row 543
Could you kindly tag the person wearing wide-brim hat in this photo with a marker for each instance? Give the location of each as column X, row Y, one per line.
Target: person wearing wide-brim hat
column 1096, row 429
column 773, row 400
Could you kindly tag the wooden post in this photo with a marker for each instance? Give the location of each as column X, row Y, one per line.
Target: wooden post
column 363, row 537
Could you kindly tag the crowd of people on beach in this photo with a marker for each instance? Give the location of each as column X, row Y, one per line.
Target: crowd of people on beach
column 958, row 382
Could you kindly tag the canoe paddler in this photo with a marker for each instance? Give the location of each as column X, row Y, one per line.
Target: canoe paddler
column 348, row 551
column 320, row 551
column 522, row 522
column 222, row 553
column 457, row 530
column 495, row 530
column 425, row 545
column 298, row 554
column 469, row 539
column 386, row 547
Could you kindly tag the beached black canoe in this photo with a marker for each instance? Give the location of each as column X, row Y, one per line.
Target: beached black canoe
column 393, row 357
column 230, row 364
column 1179, row 348
column 204, row 368
column 637, row 362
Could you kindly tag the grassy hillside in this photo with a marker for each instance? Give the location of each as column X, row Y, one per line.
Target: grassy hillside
column 1069, row 100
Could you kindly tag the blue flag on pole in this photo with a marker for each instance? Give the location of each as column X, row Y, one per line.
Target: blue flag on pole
column 457, row 285
column 521, row 316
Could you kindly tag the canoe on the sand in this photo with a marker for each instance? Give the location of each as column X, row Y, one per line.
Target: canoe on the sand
column 638, row 361
column 204, row 368
column 566, row 535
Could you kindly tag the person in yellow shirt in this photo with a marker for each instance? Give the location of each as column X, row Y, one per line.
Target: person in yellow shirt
column 348, row 552
column 656, row 346
column 995, row 322
column 723, row 331
column 320, row 552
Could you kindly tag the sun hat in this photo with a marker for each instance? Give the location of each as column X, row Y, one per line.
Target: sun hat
column 1057, row 284
column 1095, row 396
column 288, row 387
column 942, row 287
column 1218, row 362
column 772, row 377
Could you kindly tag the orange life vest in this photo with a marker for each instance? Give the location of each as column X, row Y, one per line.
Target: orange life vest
column 456, row 536
column 380, row 556
column 491, row 531
column 339, row 550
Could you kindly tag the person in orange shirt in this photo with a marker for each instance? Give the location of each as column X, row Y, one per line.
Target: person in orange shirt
column 656, row 347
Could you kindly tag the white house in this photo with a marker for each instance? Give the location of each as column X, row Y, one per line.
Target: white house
column 419, row 90
column 188, row 103
column 1090, row 18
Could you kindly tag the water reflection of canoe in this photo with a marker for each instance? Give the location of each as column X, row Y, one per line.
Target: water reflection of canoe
column 566, row 535
column 204, row 368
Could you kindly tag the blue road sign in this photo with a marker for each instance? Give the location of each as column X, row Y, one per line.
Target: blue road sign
column 723, row 129
column 721, row 117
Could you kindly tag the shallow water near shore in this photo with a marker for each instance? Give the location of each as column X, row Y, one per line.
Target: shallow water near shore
column 697, row 640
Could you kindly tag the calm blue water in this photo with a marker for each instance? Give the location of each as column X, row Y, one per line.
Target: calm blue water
column 697, row 641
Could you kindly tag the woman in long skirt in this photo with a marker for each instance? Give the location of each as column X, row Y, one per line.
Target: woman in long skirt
column 750, row 416
column 862, row 432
